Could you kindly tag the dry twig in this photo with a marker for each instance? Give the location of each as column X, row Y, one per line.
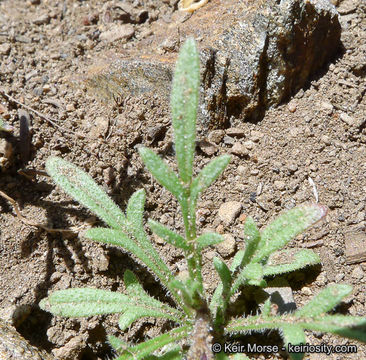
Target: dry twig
column 29, row 222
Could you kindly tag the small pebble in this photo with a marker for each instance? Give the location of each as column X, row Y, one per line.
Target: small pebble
column 325, row 139
column 280, row 185
column 234, row 131
column 216, row 136
column 229, row 211
column 306, row 291
column 227, row 247
column 118, row 32
column 346, row 118
column 358, row 273
column 291, row 106
column 239, row 149
column 5, row 49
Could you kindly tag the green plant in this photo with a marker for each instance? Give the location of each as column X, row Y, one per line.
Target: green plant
column 200, row 320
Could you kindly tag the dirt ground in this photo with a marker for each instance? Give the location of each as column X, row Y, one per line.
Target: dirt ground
column 315, row 144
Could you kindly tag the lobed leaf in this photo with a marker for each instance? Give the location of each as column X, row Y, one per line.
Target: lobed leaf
column 303, row 258
column 119, row 238
column 85, row 302
column 325, row 301
column 137, row 312
column 286, row 227
column 83, row 188
column 135, row 290
column 146, row 348
column 351, row 327
column 184, row 102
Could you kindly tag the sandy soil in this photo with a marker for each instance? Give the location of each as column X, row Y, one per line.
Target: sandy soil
column 319, row 135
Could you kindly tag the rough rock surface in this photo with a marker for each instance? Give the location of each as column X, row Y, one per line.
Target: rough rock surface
column 269, row 52
column 15, row 347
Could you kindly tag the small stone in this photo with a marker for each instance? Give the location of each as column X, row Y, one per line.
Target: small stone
column 108, row 175
column 228, row 140
column 347, row 119
column 210, row 254
column 100, row 128
column 158, row 240
column 101, row 261
column 358, row 273
column 255, row 136
column 55, row 277
column 5, row 49
column 325, row 139
column 216, row 136
column 220, row 229
column 118, row 32
column 355, row 246
column 292, row 168
column 292, row 106
column 241, row 170
column 234, row 131
column 229, row 211
column 46, row 88
column 283, row 297
column 327, row 106
column 42, row 19
column 207, row 147
column 306, row 291
column 70, row 107
column 227, row 247
column 249, row 144
column 72, row 350
column 280, row 185
column 239, row 149
column 347, row 7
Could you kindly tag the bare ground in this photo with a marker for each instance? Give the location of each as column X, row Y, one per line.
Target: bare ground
column 319, row 135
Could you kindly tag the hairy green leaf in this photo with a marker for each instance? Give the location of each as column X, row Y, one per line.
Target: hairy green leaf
column 325, row 301
column 208, row 239
column 82, row 188
column 146, row 348
column 85, row 302
column 252, row 239
column 135, row 208
column 116, row 237
column 162, row 172
column 303, row 258
column 208, row 175
column 136, row 312
column 293, row 335
column 184, row 102
column 287, row 226
column 168, row 235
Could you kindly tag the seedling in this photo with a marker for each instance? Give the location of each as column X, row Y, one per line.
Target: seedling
column 202, row 322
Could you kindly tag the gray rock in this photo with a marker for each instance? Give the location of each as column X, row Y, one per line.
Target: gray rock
column 268, row 53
